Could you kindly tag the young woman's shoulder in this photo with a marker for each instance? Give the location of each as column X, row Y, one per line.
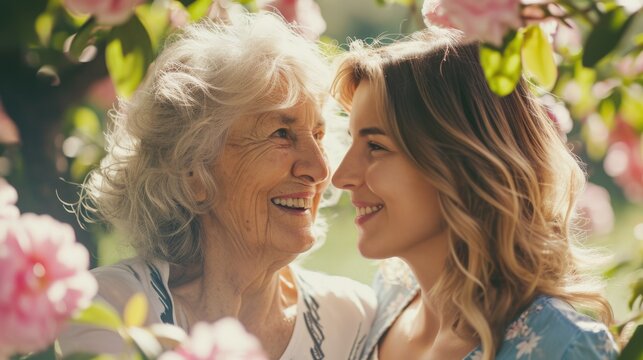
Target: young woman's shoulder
column 552, row 329
column 395, row 287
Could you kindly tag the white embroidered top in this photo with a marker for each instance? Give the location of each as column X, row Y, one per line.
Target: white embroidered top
column 334, row 314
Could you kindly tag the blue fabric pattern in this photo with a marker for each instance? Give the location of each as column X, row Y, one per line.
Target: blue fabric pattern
column 167, row 317
column 549, row 329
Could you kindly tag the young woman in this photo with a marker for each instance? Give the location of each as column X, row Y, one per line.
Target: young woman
column 475, row 193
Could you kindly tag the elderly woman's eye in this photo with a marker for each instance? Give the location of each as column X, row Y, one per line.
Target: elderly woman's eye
column 319, row 135
column 280, row 133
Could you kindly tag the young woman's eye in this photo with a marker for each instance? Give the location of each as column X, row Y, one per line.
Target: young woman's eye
column 372, row 146
column 280, row 133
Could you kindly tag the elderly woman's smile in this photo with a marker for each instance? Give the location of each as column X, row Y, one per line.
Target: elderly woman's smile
column 272, row 173
column 294, row 202
column 215, row 171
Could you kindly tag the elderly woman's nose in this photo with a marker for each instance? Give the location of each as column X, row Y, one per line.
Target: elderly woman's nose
column 311, row 162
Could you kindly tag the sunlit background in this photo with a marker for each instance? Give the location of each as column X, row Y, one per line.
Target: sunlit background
column 613, row 155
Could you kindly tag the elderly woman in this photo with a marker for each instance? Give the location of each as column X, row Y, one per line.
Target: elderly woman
column 214, row 172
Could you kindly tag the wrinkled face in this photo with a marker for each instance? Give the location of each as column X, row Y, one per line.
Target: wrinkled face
column 397, row 208
column 270, row 179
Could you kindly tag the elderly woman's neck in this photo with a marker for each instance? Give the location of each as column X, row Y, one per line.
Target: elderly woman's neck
column 251, row 288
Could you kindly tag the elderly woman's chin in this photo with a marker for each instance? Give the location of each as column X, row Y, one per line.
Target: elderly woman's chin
column 292, row 239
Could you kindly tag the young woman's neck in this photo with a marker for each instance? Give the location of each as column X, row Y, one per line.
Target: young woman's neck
column 426, row 260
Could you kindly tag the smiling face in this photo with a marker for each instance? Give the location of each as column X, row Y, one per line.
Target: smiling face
column 397, row 208
column 270, row 178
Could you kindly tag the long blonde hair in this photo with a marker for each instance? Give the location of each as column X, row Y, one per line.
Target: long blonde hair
column 507, row 182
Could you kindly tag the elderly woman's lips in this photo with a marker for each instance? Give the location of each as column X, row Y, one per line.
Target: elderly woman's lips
column 295, row 203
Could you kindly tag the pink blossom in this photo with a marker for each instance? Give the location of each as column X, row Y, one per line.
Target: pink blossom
column 624, row 160
column 9, row 133
column 558, row 113
column 568, row 37
column 179, row 17
column 43, row 280
column 631, row 66
column 108, row 12
column 595, row 209
column 8, row 198
column 485, row 20
column 224, row 340
column 304, row 13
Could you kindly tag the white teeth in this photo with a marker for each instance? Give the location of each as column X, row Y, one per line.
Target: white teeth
column 368, row 209
column 296, row 203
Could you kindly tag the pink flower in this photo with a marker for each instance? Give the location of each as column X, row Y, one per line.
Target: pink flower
column 568, row 37
column 630, row 66
column 8, row 198
column 485, row 20
column 108, row 12
column 179, row 17
column 43, row 280
column 224, row 340
column 624, row 160
column 9, row 133
column 558, row 113
column 595, row 209
column 304, row 13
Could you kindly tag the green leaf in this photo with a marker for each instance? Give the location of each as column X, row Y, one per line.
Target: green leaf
column 607, row 110
column 502, row 69
column 46, row 354
column 135, row 311
column 128, row 55
column 199, row 9
column 638, row 40
column 99, row 314
column 637, row 293
column 634, row 348
column 156, row 21
column 631, row 109
column 83, row 38
column 606, row 35
column 538, row 58
column 44, row 25
column 616, row 268
column 87, row 122
column 406, row 3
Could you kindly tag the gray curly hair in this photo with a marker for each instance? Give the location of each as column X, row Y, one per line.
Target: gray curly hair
column 206, row 77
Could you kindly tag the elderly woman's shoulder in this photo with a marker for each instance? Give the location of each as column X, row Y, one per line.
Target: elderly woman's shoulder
column 552, row 329
column 338, row 290
column 117, row 283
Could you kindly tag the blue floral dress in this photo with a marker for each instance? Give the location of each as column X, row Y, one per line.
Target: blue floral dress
column 548, row 329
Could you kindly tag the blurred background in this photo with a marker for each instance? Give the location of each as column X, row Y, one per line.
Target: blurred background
column 55, row 93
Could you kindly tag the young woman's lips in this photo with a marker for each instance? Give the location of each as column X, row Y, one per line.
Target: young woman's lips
column 366, row 212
